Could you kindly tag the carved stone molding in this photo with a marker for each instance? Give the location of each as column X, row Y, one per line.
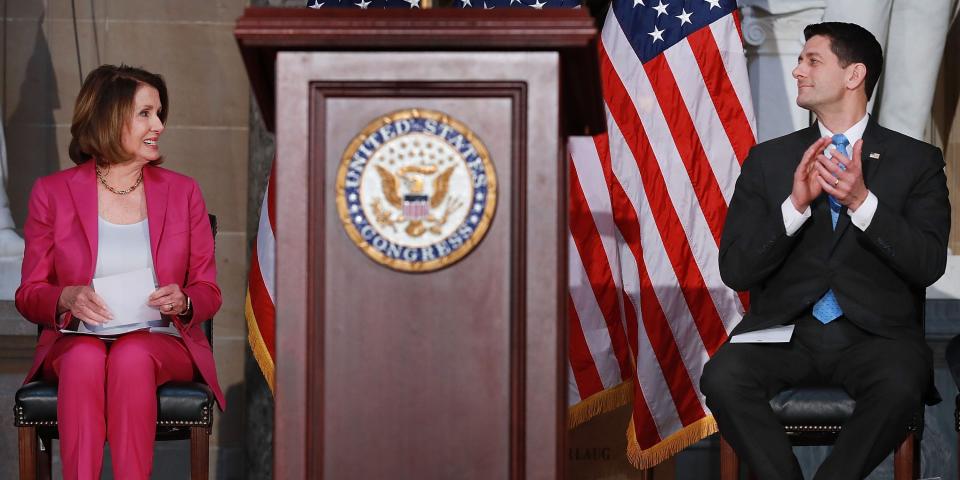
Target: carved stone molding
column 778, row 31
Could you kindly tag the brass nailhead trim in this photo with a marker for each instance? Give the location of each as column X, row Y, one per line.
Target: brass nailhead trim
column 913, row 427
column 205, row 420
column 22, row 421
column 812, row 428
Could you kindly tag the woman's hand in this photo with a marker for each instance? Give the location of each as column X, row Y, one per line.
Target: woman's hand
column 84, row 303
column 169, row 299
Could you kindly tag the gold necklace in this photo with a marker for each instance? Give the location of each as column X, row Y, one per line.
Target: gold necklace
column 103, row 182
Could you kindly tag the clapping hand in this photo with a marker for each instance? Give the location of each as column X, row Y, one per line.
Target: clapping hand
column 843, row 183
column 807, row 184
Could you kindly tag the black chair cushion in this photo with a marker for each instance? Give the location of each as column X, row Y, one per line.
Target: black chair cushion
column 36, row 404
column 184, row 403
column 814, row 406
column 179, row 404
column 812, row 414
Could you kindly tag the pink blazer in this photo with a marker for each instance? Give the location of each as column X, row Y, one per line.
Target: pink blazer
column 61, row 250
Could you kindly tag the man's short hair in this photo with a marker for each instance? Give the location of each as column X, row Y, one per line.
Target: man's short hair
column 103, row 108
column 852, row 43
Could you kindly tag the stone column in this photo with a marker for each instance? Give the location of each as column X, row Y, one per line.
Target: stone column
column 773, row 34
column 11, row 245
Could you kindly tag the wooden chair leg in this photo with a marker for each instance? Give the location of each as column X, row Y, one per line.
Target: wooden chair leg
column 906, row 465
column 44, row 459
column 28, row 452
column 199, row 453
column 729, row 462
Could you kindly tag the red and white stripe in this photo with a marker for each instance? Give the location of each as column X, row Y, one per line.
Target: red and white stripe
column 599, row 354
column 658, row 184
column 260, row 310
column 266, row 245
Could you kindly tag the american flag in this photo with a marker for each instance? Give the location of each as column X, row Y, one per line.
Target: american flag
column 648, row 201
column 260, row 309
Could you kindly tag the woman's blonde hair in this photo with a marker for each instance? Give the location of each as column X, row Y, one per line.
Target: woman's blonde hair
column 104, row 105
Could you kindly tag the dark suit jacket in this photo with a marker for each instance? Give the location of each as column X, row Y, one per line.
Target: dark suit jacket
column 878, row 275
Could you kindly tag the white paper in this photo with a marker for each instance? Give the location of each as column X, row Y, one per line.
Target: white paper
column 778, row 334
column 126, row 295
column 112, row 333
column 105, row 331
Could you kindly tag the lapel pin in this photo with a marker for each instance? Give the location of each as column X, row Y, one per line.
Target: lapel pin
column 875, row 155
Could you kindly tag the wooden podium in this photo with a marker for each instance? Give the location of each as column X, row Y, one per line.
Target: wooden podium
column 421, row 235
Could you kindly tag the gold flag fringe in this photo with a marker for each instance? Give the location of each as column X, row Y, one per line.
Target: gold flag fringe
column 669, row 446
column 257, row 345
column 599, row 403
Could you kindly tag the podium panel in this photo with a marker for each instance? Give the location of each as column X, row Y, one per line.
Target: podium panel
column 458, row 372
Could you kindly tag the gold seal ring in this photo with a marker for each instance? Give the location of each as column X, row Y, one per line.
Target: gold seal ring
column 836, row 182
column 169, row 306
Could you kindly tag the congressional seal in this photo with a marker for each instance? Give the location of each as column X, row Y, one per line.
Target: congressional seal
column 416, row 190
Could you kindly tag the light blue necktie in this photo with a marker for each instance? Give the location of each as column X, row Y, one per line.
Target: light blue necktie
column 827, row 309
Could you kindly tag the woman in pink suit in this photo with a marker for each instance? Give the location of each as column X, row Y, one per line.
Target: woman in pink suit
column 115, row 212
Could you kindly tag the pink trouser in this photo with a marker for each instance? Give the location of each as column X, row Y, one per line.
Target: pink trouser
column 108, row 391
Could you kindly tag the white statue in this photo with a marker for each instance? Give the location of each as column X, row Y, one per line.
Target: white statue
column 11, row 245
column 912, row 34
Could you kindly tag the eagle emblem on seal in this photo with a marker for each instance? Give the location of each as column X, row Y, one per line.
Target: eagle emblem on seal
column 406, row 192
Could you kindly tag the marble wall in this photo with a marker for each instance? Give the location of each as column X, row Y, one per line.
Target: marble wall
column 191, row 44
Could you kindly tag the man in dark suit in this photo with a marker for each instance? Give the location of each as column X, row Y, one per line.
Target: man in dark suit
column 836, row 229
